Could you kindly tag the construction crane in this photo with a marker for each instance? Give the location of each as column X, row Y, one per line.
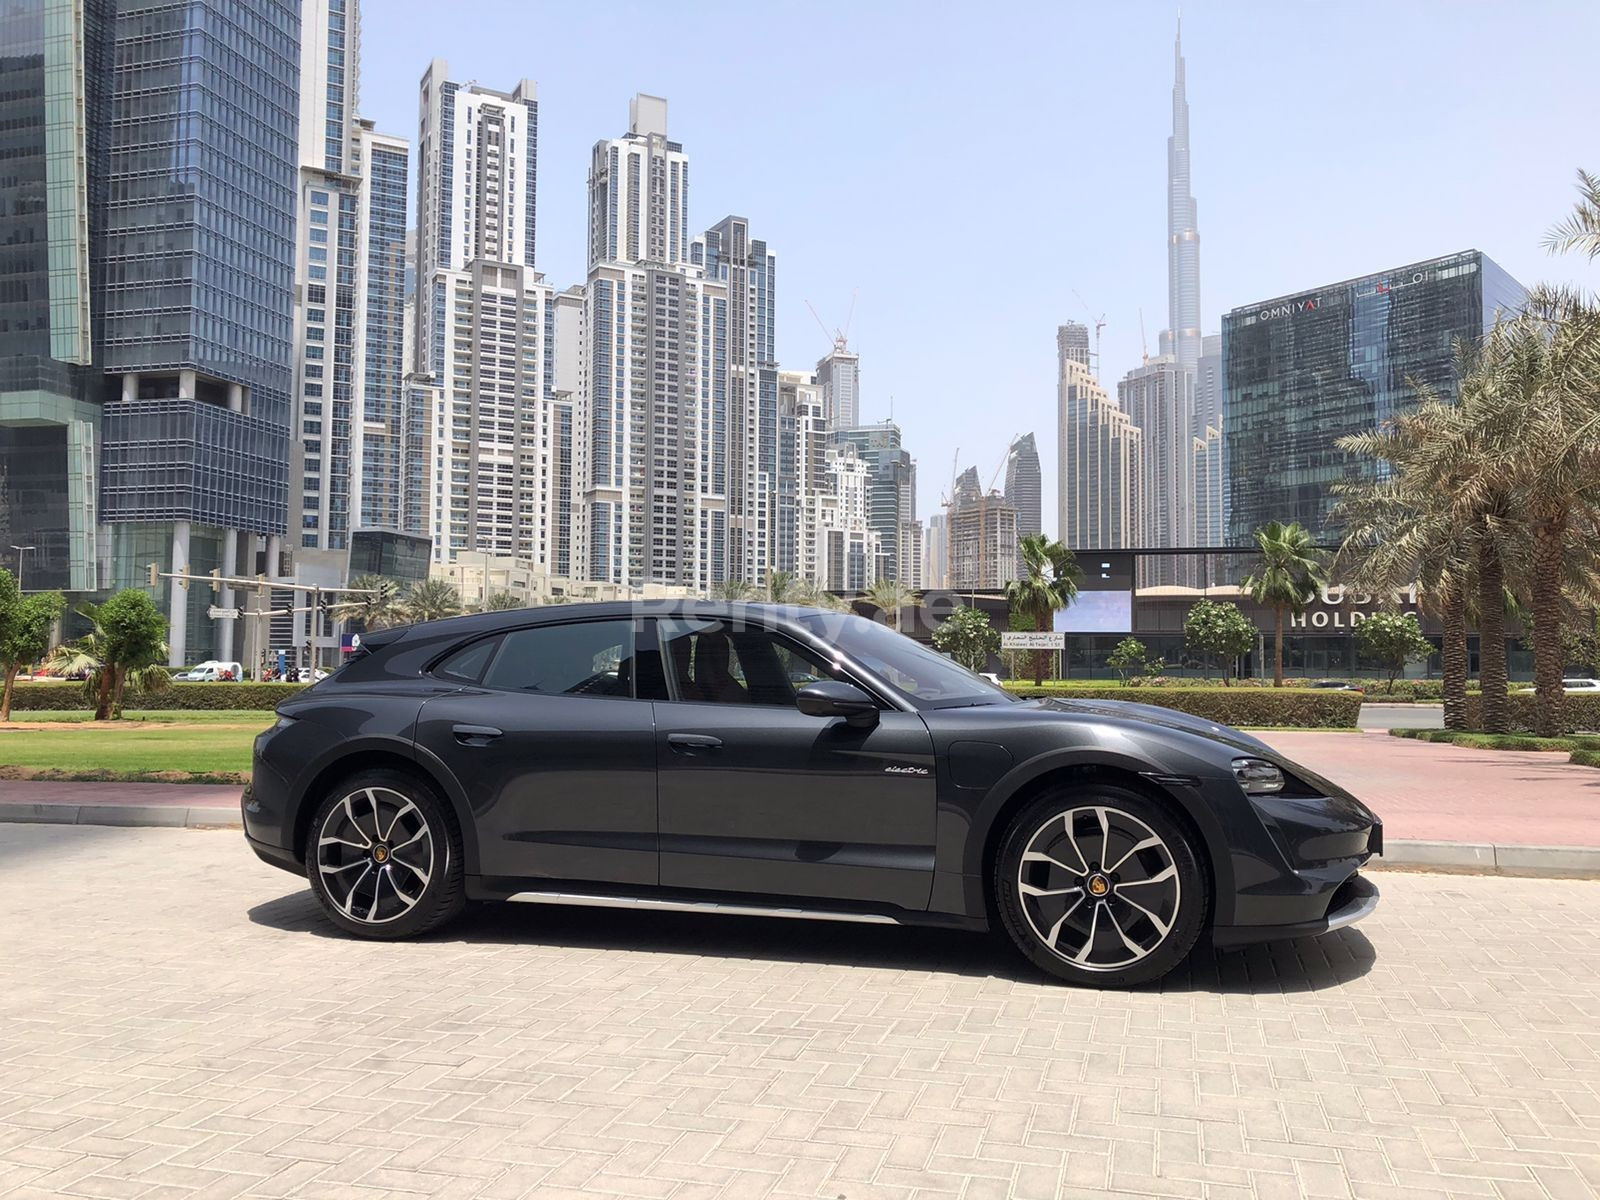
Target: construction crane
column 1144, row 346
column 1099, row 324
column 840, row 338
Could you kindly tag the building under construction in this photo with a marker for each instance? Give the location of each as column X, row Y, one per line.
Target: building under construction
column 982, row 536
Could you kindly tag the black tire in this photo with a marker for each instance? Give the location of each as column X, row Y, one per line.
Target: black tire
column 1159, row 917
column 400, row 891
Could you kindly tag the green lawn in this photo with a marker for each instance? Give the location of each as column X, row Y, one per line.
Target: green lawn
column 255, row 719
column 133, row 749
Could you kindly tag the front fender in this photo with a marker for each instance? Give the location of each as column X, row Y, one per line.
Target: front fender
column 982, row 817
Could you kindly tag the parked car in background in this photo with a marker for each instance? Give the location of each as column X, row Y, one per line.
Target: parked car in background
column 1576, row 685
column 310, row 674
column 1335, row 685
column 788, row 762
column 211, row 671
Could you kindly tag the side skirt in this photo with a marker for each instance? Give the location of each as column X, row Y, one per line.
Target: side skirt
column 594, row 896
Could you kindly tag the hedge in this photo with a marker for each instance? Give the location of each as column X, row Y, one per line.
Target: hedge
column 1582, row 712
column 1263, row 707
column 180, row 697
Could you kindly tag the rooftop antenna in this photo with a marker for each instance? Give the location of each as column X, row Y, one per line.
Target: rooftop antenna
column 1144, row 347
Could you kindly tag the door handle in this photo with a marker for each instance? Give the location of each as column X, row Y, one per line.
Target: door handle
column 692, row 743
column 475, row 735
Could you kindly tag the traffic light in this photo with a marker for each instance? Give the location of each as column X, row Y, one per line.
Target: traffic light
column 183, row 577
column 216, row 582
column 152, row 574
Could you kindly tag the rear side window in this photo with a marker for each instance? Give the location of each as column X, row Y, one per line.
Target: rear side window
column 466, row 665
column 587, row 658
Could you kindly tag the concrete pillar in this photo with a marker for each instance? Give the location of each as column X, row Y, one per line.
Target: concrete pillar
column 178, row 627
column 130, row 385
column 274, row 555
column 236, row 397
column 229, row 564
column 186, row 383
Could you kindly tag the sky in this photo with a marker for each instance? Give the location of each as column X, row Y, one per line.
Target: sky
column 974, row 175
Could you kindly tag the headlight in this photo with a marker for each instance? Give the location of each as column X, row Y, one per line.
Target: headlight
column 1257, row 776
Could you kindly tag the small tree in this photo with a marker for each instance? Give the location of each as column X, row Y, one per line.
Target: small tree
column 1130, row 656
column 1218, row 628
column 1392, row 640
column 1288, row 579
column 25, row 637
column 968, row 637
column 1049, row 583
column 121, row 654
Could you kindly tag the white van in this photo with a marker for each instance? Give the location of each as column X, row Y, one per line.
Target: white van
column 211, row 671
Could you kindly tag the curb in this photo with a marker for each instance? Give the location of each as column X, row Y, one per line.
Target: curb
column 171, row 816
column 1483, row 858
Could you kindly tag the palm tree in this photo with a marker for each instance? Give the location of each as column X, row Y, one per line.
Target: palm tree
column 373, row 603
column 1050, row 582
column 1580, row 231
column 1402, row 530
column 782, row 588
column 732, row 589
column 500, row 602
column 431, row 600
column 1291, row 572
column 1542, row 443
column 121, row 655
column 890, row 596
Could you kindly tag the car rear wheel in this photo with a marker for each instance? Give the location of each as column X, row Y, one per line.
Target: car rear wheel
column 384, row 857
column 1100, row 886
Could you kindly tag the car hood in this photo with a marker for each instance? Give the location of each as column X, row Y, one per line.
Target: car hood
column 1166, row 718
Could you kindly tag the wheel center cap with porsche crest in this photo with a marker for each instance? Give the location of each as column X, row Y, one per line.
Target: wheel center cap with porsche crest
column 1099, row 885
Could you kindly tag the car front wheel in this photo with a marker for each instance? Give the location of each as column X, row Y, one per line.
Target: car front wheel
column 1100, row 886
column 384, row 857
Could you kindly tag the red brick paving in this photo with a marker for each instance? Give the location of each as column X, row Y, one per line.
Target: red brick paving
column 173, row 795
column 1444, row 793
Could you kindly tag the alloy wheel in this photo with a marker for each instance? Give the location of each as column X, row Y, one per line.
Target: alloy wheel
column 375, row 851
column 1098, row 887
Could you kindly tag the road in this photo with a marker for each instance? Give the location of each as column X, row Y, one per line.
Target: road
column 177, row 1019
column 1401, row 716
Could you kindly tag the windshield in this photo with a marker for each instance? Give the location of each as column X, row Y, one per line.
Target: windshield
column 922, row 675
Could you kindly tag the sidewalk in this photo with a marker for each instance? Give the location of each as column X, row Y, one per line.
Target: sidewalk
column 1456, row 807
column 196, row 806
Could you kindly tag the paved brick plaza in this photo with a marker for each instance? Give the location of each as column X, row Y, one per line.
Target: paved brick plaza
column 176, row 1020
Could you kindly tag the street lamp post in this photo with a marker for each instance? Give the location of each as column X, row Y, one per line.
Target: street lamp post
column 21, row 550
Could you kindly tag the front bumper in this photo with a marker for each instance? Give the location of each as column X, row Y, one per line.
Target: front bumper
column 1354, row 900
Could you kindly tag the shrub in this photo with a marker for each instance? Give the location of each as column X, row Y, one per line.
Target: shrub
column 180, row 697
column 1266, row 707
column 1586, row 758
column 1582, row 712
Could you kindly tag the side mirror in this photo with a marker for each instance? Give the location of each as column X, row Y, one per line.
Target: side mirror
column 830, row 698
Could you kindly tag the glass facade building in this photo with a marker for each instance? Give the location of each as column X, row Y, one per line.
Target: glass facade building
column 1302, row 371
column 199, row 263
column 54, row 96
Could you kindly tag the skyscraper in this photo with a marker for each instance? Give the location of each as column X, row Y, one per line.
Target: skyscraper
column 57, row 61
column 199, row 297
column 1182, row 338
column 889, row 468
column 748, row 269
column 1024, row 487
column 653, row 426
column 350, row 297
column 499, row 430
column 1304, row 370
column 1101, row 456
column 839, row 374
column 1159, row 398
column 936, row 553
column 802, row 459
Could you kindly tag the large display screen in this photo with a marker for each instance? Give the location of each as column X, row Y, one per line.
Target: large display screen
column 1097, row 612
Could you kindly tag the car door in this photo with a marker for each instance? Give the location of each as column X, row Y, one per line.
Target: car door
column 758, row 798
column 555, row 753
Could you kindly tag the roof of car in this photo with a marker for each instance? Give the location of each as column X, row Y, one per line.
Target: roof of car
column 601, row 610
